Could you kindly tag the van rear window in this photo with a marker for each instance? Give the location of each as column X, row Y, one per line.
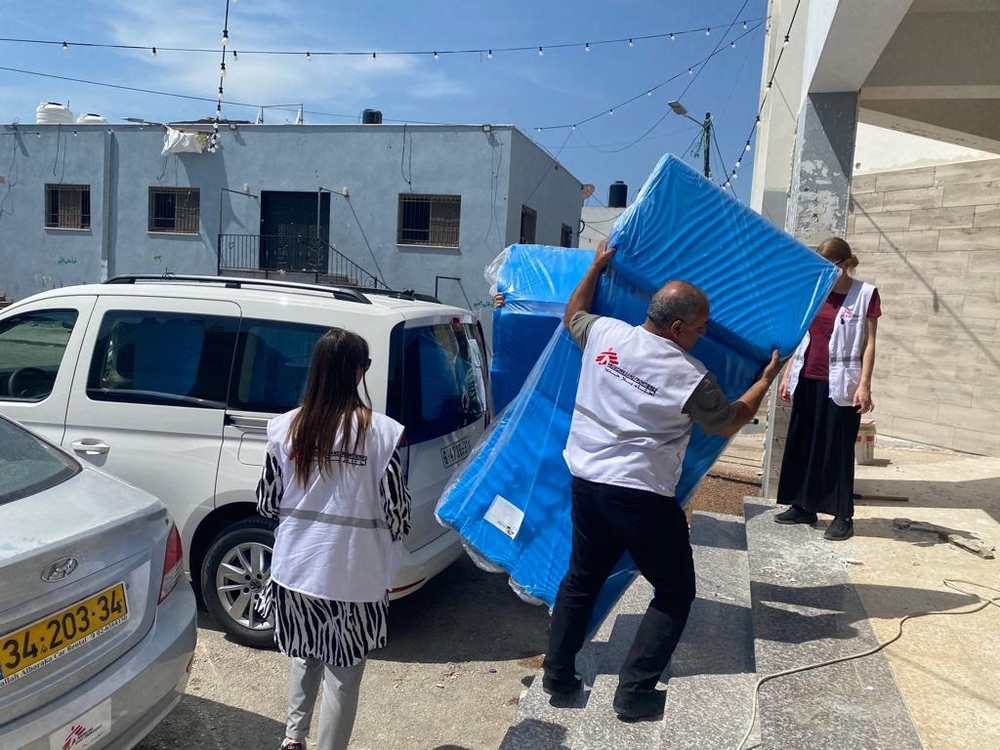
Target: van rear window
column 443, row 380
column 272, row 362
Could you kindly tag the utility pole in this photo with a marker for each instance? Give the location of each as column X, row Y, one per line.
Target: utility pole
column 707, row 125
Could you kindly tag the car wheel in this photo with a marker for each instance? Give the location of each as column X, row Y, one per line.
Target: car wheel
column 236, row 569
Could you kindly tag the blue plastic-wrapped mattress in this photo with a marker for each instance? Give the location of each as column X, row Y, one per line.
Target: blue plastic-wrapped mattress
column 510, row 502
column 535, row 281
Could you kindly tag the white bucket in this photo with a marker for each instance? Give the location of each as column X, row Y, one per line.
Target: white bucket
column 864, row 444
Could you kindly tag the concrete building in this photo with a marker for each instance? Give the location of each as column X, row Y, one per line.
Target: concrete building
column 421, row 207
column 847, row 85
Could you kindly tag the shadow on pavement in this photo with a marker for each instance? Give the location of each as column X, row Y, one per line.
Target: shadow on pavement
column 464, row 614
column 199, row 722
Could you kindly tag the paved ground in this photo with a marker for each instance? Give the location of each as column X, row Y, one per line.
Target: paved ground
column 946, row 666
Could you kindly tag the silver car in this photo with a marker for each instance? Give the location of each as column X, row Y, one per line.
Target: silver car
column 97, row 622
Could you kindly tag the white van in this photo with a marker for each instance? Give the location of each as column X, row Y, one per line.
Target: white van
column 169, row 383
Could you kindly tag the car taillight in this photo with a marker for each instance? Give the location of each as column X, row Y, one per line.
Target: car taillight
column 173, row 567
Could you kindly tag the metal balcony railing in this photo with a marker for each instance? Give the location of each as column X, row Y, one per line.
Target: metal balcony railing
column 268, row 255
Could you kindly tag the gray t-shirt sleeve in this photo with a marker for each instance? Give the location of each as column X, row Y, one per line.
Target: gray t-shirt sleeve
column 579, row 326
column 708, row 406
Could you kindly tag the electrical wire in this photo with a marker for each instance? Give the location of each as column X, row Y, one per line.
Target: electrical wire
column 949, row 582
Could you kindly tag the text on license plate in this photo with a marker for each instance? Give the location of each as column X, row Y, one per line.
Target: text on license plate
column 452, row 454
column 29, row 648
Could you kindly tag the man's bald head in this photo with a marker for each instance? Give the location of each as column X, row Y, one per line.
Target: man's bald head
column 676, row 300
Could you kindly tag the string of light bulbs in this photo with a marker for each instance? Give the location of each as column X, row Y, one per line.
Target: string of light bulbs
column 690, row 70
column 487, row 52
column 734, row 174
column 214, row 141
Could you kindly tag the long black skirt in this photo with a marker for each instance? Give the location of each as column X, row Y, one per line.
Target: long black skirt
column 817, row 470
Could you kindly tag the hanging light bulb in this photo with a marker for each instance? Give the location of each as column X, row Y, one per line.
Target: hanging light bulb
column 373, row 55
column 732, row 45
column 236, row 58
column 309, row 56
column 541, row 52
column 744, row 24
column 737, row 164
column 673, row 37
column 225, row 37
column 586, row 47
column 630, row 43
column 785, row 43
column 223, row 71
column 435, row 55
column 220, row 93
column 153, row 51
column 65, row 47
column 708, row 31
column 649, row 93
column 747, row 147
column 611, row 112
column 690, row 71
column 489, row 54
column 734, row 176
column 725, row 184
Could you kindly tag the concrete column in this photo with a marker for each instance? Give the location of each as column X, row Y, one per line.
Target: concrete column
column 818, row 207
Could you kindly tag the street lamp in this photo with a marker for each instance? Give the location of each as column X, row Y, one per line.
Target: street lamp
column 706, row 128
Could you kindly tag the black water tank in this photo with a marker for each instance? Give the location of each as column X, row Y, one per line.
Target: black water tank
column 618, row 195
column 371, row 117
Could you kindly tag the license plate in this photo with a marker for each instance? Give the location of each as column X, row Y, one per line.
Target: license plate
column 452, row 454
column 52, row 637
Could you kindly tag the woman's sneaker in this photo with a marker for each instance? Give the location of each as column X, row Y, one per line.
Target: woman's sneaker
column 795, row 514
column 839, row 530
column 287, row 744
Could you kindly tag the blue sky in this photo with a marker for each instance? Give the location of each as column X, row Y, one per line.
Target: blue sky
column 555, row 90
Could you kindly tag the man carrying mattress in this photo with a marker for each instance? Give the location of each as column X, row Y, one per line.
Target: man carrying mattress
column 639, row 392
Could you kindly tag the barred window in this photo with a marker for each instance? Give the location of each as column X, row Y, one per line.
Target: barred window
column 529, row 218
column 67, row 206
column 429, row 219
column 173, row 210
column 566, row 236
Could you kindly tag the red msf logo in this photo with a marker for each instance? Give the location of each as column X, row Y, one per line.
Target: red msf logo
column 74, row 735
column 607, row 357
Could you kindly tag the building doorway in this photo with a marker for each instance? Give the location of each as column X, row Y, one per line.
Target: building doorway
column 294, row 231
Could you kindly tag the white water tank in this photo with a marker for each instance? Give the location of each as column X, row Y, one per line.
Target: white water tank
column 91, row 119
column 53, row 113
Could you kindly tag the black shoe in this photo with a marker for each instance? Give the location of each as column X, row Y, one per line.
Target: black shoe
column 839, row 530
column 561, row 688
column 287, row 744
column 640, row 706
column 795, row 514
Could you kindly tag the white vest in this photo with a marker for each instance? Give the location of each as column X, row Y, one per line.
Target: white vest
column 332, row 540
column 628, row 427
column 847, row 344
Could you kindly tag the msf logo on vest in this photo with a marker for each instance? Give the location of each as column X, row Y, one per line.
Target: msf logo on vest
column 607, row 357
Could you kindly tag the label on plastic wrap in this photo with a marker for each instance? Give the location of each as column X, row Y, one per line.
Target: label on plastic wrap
column 505, row 516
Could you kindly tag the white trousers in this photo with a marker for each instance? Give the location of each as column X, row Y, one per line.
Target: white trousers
column 341, row 686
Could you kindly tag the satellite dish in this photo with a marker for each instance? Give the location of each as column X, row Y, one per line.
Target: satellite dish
column 588, row 190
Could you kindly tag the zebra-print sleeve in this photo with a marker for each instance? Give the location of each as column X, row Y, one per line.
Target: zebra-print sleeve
column 395, row 498
column 270, row 488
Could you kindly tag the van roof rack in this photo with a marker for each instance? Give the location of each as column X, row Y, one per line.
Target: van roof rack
column 338, row 292
column 407, row 294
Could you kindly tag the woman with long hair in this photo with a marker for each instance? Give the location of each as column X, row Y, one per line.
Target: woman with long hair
column 332, row 479
column 829, row 383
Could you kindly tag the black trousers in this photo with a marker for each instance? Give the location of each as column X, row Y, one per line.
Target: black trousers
column 607, row 521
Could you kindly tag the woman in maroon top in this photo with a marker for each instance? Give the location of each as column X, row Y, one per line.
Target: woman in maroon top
column 828, row 399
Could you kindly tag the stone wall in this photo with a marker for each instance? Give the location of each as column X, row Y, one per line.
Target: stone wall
column 930, row 240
